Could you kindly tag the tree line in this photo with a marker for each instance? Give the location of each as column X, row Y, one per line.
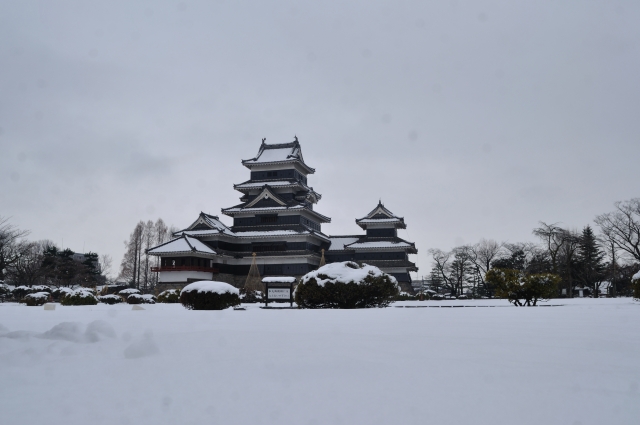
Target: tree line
column 563, row 261
column 24, row 262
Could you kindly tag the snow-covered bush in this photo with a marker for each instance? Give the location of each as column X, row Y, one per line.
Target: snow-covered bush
column 251, row 296
column 141, row 299
column 209, row 295
column 346, row 285
column 21, row 291
column 36, row 299
column 170, row 296
column 405, row 296
column 126, row 292
column 5, row 292
column 110, row 299
column 80, row 296
column 59, row 293
column 635, row 283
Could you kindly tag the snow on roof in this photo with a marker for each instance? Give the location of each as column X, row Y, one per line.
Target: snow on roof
column 380, row 214
column 184, row 243
column 380, row 244
column 260, row 184
column 211, row 286
column 200, row 232
column 251, row 234
column 380, row 209
column 378, row 220
column 283, row 152
column 279, row 279
column 345, row 272
column 274, row 155
column 237, row 209
column 338, row 242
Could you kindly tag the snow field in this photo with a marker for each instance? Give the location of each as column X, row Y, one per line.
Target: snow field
column 107, row 364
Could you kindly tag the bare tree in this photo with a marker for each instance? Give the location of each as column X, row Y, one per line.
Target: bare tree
column 130, row 265
column 162, row 234
column 11, row 246
column 482, row 256
column 27, row 269
column 106, row 262
column 453, row 268
column 552, row 237
column 440, row 268
column 136, row 264
column 622, row 227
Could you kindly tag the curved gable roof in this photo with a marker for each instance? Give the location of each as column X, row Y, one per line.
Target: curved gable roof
column 278, row 153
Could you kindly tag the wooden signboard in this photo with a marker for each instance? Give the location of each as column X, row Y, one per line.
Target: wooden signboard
column 278, row 289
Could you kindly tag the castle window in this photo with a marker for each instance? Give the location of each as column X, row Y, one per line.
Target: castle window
column 268, row 219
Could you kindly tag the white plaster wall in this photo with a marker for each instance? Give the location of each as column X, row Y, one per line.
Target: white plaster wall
column 182, row 276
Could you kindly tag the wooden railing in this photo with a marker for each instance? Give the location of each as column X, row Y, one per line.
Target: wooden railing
column 184, row 268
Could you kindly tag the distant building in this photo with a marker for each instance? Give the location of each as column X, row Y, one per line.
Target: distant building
column 277, row 222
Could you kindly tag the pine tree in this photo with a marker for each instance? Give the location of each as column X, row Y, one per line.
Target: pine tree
column 591, row 266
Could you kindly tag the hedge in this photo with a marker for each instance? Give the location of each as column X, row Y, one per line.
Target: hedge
column 110, row 299
column 170, row 296
column 346, row 285
column 141, row 299
column 209, row 295
column 36, row 299
column 79, row 297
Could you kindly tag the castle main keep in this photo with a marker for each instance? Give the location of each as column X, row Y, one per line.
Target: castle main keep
column 277, row 221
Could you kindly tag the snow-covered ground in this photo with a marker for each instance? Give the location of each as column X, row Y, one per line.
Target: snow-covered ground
column 578, row 363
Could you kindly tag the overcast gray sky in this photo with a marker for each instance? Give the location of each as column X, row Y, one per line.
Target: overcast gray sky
column 470, row 119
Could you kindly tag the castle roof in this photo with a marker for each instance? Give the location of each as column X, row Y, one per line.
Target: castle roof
column 182, row 245
column 381, row 215
column 283, row 153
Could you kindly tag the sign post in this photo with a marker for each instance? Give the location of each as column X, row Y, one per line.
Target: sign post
column 278, row 289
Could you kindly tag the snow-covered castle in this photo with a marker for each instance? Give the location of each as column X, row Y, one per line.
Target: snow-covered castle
column 277, row 222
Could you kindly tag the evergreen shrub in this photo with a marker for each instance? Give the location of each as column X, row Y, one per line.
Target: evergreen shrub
column 209, row 295
column 346, row 285
column 405, row 296
column 5, row 292
column 79, row 297
column 110, row 299
column 128, row 291
column 20, row 292
column 249, row 296
column 141, row 299
column 170, row 296
column 523, row 289
column 36, row 299
column 59, row 293
column 635, row 283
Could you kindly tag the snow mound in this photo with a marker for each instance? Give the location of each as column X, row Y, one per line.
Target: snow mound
column 144, row 348
column 211, row 286
column 345, row 272
column 279, row 279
